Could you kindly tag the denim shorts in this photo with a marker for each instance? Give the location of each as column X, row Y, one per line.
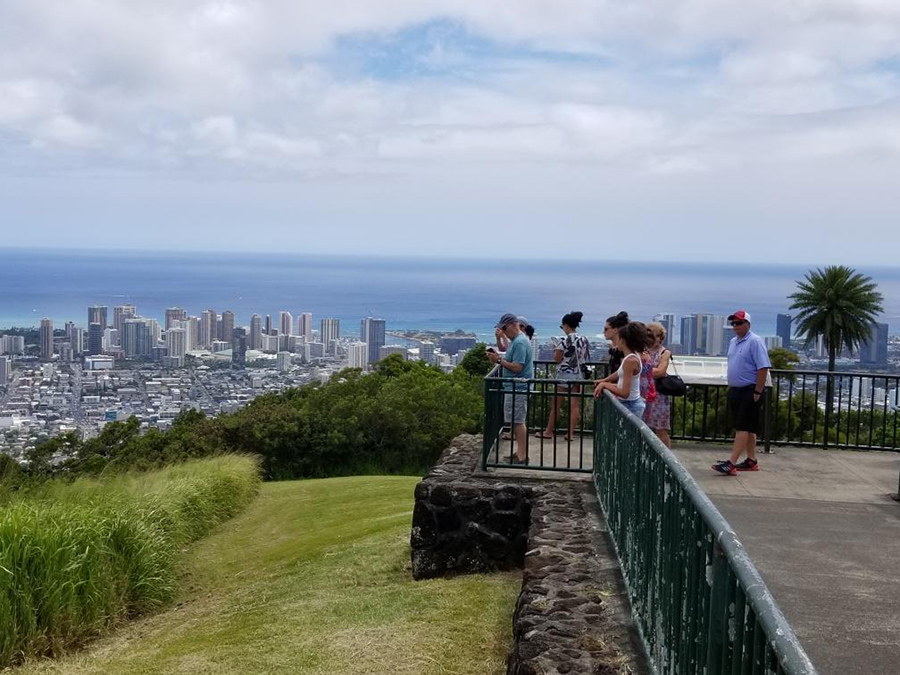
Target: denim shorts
column 636, row 407
column 517, row 415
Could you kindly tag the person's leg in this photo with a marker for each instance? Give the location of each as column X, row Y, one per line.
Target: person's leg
column 521, row 432
column 663, row 435
column 740, row 445
column 574, row 410
column 551, row 420
column 751, row 446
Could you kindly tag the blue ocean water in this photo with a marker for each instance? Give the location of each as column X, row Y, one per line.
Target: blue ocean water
column 435, row 294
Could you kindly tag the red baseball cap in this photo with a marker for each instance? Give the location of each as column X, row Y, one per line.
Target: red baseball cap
column 740, row 315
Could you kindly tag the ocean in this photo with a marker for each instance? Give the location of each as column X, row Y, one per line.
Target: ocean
column 430, row 294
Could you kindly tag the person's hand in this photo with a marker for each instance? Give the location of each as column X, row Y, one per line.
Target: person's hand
column 598, row 388
column 494, row 357
column 498, row 332
column 756, row 397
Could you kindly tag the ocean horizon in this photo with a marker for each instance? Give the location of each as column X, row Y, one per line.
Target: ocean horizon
column 437, row 294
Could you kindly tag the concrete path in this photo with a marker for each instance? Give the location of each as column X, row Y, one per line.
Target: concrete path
column 825, row 534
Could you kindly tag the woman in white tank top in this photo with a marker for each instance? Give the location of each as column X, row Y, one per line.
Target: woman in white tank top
column 626, row 381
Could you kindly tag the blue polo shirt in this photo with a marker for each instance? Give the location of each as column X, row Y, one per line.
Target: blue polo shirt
column 746, row 356
column 519, row 351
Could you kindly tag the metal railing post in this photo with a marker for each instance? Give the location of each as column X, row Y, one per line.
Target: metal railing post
column 767, row 420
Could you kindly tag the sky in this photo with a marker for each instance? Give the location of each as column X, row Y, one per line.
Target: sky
column 600, row 129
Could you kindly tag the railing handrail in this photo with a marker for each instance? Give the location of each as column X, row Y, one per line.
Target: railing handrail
column 779, row 632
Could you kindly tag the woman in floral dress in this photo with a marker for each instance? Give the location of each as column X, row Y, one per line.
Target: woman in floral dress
column 657, row 413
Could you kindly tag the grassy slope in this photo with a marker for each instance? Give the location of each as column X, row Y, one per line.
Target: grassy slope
column 314, row 578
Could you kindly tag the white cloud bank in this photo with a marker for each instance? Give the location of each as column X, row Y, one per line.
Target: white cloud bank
column 655, row 114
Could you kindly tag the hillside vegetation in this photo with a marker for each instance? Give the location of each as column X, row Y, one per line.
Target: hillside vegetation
column 314, row 578
column 77, row 558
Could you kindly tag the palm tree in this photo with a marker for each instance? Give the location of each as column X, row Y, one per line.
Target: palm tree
column 839, row 305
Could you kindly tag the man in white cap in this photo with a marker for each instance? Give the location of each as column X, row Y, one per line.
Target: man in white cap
column 748, row 368
column 516, row 364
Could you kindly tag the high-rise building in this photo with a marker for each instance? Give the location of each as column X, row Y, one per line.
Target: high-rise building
column 689, row 334
column 239, row 346
column 372, row 332
column 329, row 330
column 668, row 323
column 305, row 326
column 98, row 314
column 176, row 343
column 110, row 339
column 137, row 339
column 874, row 351
column 208, row 328
column 227, row 325
column 174, row 314
column 453, row 344
column 70, row 326
column 268, row 327
column 426, row 352
column 255, row 332
column 46, row 339
column 313, row 350
column 12, row 344
column 717, row 335
column 121, row 313
column 285, row 323
column 283, row 361
column 773, row 342
column 192, row 325
column 389, row 350
column 783, row 329
column 358, row 355
column 5, row 370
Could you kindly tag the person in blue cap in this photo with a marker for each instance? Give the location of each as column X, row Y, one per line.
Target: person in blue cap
column 517, row 365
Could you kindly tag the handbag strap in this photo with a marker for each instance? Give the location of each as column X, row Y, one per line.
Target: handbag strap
column 672, row 361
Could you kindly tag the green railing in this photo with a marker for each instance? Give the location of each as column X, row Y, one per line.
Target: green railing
column 698, row 601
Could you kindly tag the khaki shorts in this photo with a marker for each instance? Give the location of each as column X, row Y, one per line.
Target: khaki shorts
column 515, row 407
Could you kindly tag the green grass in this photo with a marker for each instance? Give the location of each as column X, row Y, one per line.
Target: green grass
column 314, row 578
column 79, row 558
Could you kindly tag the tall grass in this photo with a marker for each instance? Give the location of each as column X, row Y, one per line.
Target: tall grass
column 77, row 558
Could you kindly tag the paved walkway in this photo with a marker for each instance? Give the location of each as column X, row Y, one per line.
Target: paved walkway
column 825, row 534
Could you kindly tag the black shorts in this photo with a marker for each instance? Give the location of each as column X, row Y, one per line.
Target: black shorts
column 743, row 410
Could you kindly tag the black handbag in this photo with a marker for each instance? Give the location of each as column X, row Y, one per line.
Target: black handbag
column 671, row 385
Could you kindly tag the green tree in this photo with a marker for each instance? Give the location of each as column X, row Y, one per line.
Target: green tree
column 783, row 359
column 839, row 305
column 476, row 361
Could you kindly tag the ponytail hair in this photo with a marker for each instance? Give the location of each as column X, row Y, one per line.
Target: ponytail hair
column 618, row 321
column 635, row 335
column 529, row 331
column 572, row 320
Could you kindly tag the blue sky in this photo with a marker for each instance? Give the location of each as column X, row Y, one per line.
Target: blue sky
column 645, row 130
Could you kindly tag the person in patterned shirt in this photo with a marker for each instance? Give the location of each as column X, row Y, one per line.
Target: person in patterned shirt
column 571, row 353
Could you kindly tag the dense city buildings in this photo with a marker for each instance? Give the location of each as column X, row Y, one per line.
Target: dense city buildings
column 239, row 347
column 255, row 338
column 174, row 315
column 121, row 313
column 285, row 323
column 358, row 355
column 227, row 326
column 329, row 332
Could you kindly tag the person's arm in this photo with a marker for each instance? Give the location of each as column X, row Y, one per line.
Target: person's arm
column 663, row 367
column 502, row 342
column 761, row 376
column 558, row 355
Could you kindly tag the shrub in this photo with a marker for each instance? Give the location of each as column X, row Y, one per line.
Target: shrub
column 77, row 558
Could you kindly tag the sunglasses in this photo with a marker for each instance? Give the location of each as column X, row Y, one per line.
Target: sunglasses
column 738, row 323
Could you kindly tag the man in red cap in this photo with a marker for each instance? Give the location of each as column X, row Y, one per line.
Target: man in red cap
column 748, row 368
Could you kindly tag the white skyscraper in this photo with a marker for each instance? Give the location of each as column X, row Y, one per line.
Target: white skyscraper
column 283, row 361
column 208, row 322
column 358, row 356
column 426, row 352
column 120, row 314
column 176, row 343
column 330, row 330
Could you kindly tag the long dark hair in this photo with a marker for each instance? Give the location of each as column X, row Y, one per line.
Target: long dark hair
column 618, row 321
column 635, row 335
column 572, row 320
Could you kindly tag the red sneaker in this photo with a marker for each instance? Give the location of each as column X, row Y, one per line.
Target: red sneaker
column 725, row 467
column 747, row 465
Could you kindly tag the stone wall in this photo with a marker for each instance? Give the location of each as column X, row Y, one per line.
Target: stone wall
column 572, row 615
